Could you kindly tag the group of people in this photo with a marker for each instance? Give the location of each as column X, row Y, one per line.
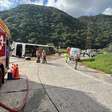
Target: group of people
column 41, row 56
column 73, row 54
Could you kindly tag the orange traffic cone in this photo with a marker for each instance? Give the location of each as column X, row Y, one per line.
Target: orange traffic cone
column 17, row 76
column 12, row 70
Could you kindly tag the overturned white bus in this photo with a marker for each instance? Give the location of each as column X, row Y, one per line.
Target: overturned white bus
column 26, row 49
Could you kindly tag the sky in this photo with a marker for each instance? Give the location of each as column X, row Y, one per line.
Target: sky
column 75, row 8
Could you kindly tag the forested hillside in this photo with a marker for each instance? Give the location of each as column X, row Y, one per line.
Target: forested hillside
column 100, row 27
column 41, row 24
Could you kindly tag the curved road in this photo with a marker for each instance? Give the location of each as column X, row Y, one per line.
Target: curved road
column 66, row 90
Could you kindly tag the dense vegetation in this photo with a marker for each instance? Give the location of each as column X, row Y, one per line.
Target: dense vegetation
column 100, row 28
column 108, row 48
column 40, row 24
column 102, row 62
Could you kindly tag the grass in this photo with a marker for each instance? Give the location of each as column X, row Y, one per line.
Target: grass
column 102, row 62
column 87, row 60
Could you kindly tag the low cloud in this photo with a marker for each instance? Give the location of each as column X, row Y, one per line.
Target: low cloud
column 108, row 11
column 75, row 8
column 4, row 4
column 78, row 8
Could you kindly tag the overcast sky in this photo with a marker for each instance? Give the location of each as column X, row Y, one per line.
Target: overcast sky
column 75, row 8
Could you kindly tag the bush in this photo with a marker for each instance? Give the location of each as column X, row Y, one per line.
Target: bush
column 87, row 60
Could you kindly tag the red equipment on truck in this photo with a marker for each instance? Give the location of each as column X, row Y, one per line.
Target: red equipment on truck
column 4, row 63
column 4, row 50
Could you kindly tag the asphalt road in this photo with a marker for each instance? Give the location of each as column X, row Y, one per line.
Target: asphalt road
column 57, row 87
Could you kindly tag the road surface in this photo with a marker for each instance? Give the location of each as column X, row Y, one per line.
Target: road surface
column 57, row 87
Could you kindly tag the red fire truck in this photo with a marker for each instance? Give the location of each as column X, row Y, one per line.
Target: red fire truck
column 4, row 50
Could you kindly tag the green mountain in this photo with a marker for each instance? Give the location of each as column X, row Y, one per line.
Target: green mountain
column 41, row 24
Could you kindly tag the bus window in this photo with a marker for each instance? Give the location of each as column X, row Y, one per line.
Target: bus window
column 19, row 50
column 30, row 50
column 51, row 50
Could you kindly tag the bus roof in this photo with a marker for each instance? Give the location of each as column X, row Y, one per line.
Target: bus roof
column 40, row 45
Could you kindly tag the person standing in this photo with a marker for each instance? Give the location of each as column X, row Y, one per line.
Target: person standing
column 68, row 50
column 44, row 60
column 77, row 58
column 75, row 53
column 66, row 57
column 38, row 55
